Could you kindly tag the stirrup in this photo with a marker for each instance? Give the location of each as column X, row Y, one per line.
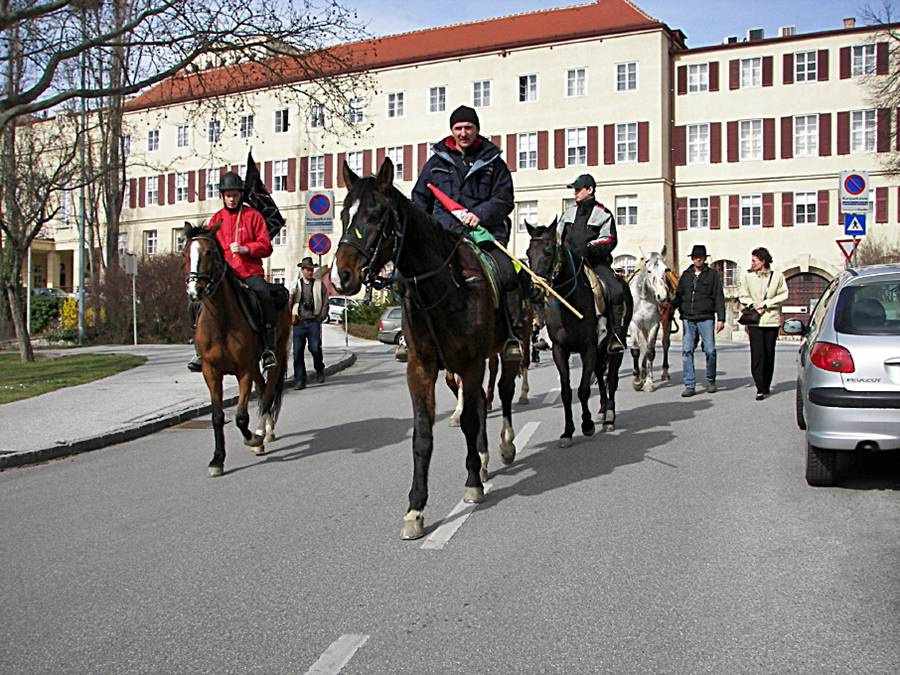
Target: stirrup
column 615, row 345
column 512, row 350
column 268, row 359
column 195, row 365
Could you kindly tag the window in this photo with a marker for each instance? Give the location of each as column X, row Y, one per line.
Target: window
column 355, row 108
column 247, row 126
column 181, row 187
column 67, row 210
column 526, row 212
column 150, row 242
column 395, row 104
column 183, row 136
column 751, row 139
column 626, row 264
column 437, row 99
column 126, row 145
column 862, row 131
column 395, row 154
column 806, row 135
column 626, row 210
column 280, row 175
column 526, row 150
column 805, row 204
column 728, row 270
column 214, row 131
column 805, row 64
column 698, row 143
column 698, row 212
column 126, row 194
column 576, row 82
column 698, row 77
column 178, row 240
column 481, row 93
column 863, row 61
column 276, row 276
column 317, row 171
column 316, row 116
column 751, row 72
column 576, row 146
column 152, row 190
column 122, row 246
column 282, row 121
column 626, row 76
column 528, row 88
column 153, row 140
column 751, row 210
column 212, row 183
column 568, row 203
column 355, row 162
column 280, row 238
column 626, row 142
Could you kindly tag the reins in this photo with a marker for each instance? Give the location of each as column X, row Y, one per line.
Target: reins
column 212, row 285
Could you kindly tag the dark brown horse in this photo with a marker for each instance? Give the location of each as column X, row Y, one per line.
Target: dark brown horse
column 228, row 345
column 449, row 320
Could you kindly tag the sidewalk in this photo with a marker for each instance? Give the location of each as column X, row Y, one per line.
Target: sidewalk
column 131, row 404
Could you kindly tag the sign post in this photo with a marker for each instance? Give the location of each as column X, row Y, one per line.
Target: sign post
column 131, row 270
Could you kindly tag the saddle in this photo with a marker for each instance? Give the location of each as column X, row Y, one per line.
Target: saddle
column 249, row 302
column 489, row 272
column 598, row 289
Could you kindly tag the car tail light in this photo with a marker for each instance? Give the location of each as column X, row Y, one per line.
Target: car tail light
column 381, row 325
column 831, row 357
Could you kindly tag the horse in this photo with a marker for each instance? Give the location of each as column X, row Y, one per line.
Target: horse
column 450, row 320
column 650, row 290
column 453, row 382
column 228, row 344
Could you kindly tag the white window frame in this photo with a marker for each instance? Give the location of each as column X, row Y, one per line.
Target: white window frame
column 316, row 116
column 863, row 60
column 153, row 140
column 152, row 196
column 576, row 146
column 698, row 213
column 806, row 66
column 576, row 82
column 280, row 175
column 276, row 275
column 481, row 93
column 356, row 110
column 750, row 134
column 281, row 121
column 126, row 145
column 354, row 160
column 806, row 208
column 122, row 243
column 751, row 72
column 806, row 135
column 625, row 262
column 626, row 210
column 751, row 210
column 280, row 238
column 151, row 242
column 181, row 187
column 530, row 84
column 247, row 123
column 729, row 272
column 394, row 104
column 527, row 150
column 178, row 240
column 697, row 78
column 395, row 154
column 212, row 183
column 214, row 131
column 317, row 171
column 183, row 136
column 863, row 131
column 437, row 98
column 698, row 143
column 626, row 142
column 626, row 76
column 526, row 210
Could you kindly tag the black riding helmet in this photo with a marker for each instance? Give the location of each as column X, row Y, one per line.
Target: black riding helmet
column 231, row 181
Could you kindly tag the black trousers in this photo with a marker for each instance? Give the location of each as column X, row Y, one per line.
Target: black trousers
column 261, row 288
column 615, row 292
column 762, row 355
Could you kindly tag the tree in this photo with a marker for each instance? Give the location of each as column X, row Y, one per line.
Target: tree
column 877, row 248
column 884, row 91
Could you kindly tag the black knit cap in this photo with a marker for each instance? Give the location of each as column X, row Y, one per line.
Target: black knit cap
column 464, row 114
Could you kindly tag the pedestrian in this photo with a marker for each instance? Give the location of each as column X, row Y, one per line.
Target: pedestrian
column 309, row 307
column 700, row 300
column 764, row 290
column 468, row 168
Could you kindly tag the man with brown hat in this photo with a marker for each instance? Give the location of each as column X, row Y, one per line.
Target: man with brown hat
column 309, row 307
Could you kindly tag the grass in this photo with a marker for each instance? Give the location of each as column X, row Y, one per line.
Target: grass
column 23, row 380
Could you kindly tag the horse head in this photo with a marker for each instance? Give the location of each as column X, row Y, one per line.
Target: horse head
column 655, row 277
column 371, row 229
column 204, row 260
column 543, row 249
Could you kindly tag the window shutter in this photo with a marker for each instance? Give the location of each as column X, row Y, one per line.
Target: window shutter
column 292, row 175
column 201, row 188
column 171, row 188
column 681, row 207
column 767, row 69
column 543, row 147
column 881, row 205
column 407, row 162
column 267, row 175
column 787, row 137
column 734, row 74
column 679, row 148
column 787, row 209
column 734, row 212
column 713, row 75
column 682, row 80
column 822, row 65
column 132, row 193
column 715, row 142
column 845, row 63
column 769, row 138
column 379, row 158
column 714, row 223
column 559, row 148
column 234, row 168
column 883, row 131
column 192, row 185
column 423, row 156
column 593, row 146
column 822, row 208
column 824, row 134
column 160, row 190
column 733, row 148
column 898, row 129
column 341, row 158
column 787, row 69
column 643, row 141
column 142, row 191
column 843, row 133
column 768, row 209
column 304, row 173
column 367, row 163
column 881, row 58
column 329, row 171
column 497, row 140
column 512, row 157
column 609, row 143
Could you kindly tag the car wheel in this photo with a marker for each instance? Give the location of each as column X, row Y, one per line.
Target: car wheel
column 798, row 406
column 401, row 341
column 821, row 466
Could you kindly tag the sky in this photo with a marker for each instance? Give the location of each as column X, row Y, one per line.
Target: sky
column 703, row 22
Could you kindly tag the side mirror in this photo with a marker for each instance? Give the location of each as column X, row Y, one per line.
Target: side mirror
column 794, row 327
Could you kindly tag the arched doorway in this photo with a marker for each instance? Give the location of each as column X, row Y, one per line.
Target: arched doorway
column 804, row 290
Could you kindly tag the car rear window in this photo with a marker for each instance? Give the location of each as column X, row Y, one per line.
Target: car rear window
column 869, row 309
column 396, row 313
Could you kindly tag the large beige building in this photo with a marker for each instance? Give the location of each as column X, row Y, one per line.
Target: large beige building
column 735, row 146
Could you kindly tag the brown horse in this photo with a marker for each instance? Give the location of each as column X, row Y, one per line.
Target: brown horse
column 228, row 345
column 449, row 320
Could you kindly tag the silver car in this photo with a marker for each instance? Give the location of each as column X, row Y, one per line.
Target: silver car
column 848, row 384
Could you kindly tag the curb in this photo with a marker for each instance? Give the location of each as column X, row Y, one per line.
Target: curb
column 139, row 430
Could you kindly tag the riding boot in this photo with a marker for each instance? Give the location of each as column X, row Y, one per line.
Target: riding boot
column 195, row 365
column 617, row 329
column 268, row 355
column 512, row 350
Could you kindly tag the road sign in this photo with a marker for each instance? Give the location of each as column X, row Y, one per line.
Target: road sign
column 854, row 224
column 320, row 243
column 854, row 192
column 848, row 247
column 320, row 205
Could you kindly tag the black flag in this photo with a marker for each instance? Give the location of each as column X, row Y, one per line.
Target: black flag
column 256, row 195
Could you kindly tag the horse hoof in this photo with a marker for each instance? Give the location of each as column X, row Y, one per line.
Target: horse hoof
column 473, row 495
column 648, row 388
column 254, row 441
column 609, row 426
column 216, row 471
column 258, row 450
column 454, row 422
column 588, row 429
column 508, row 453
column 523, row 400
column 413, row 529
column 565, row 441
column 637, row 386
column 666, row 377
column 271, row 437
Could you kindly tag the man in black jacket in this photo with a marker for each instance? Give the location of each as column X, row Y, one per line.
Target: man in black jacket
column 467, row 167
column 700, row 300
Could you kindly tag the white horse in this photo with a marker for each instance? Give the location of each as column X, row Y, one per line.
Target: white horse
column 649, row 290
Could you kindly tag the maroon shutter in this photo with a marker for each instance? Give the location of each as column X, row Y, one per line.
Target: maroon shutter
column 292, row 175
column 132, row 193
column 822, row 65
column 883, row 132
column 734, row 74
column 767, row 69
column 341, row 158
column 679, row 145
column 367, row 163
column 734, row 212
column 714, row 220
column 379, row 158
column 192, row 186
column 423, row 156
column 682, row 80
column 235, row 167
column 512, row 156
column 267, row 175
column 201, row 187
column 768, row 209
column 822, row 208
column 713, row 75
column 142, row 191
column 407, row 162
column 881, row 58
column 898, row 129
column 171, row 188
column 787, row 137
column 787, row 69
column 559, row 148
column 329, row 171
column 824, row 134
column 715, row 142
column 496, row 140
column 843, row 133
column 681, row 207
column 787, row 209
column 543, row 147
column 304, row 173
column 881, row 205
column 733, row 148
column 845, row 62
column 643, row 141
column 609, row 143
column 769, row 138
column 160, row 190
column 593, row 146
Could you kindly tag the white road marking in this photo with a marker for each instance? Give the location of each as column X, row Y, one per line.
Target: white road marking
column 524, row 436
column 337, row 655
column 552, row 396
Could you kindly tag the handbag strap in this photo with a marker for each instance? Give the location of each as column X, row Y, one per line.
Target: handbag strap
column 771, row 274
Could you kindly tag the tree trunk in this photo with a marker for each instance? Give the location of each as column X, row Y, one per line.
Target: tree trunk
column 26, row 353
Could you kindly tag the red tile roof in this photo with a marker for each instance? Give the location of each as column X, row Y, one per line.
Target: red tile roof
column 507, row 32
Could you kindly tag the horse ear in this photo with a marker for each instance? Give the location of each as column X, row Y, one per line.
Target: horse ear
column 215, row 227
column 529, row 227
column 349, row 177
column 385, row 177
column 662, row 253
column 555, row 221
column 188, row 230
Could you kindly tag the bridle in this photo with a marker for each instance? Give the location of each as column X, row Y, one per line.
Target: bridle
column 557, row 264
column 211, row 283
column 387, row 246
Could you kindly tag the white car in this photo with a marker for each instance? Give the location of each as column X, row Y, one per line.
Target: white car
column 337, row 305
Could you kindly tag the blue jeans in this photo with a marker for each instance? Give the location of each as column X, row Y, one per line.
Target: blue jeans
column 307, row 331
column 706, row 331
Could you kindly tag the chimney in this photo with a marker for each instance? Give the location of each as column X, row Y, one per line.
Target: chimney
column 850, row 22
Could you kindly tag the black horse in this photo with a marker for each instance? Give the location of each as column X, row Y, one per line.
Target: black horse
column 450, row 320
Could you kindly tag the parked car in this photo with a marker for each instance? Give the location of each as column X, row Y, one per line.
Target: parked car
column 51, row 293
column 848, row 381
column 337, row 305
column 389, row 331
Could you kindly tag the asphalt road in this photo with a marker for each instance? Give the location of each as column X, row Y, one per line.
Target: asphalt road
column 685, row 541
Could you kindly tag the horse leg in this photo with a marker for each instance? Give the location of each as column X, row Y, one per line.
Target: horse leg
column 458, row 390
column 588, row 366
column 666, row 327
column 561, row 359
column 523, row 392
column 270, row 401
column 651, row 355
column 609, row 391
column 473, row 423
column 214, row 384
column 242, row 417
column 635, row 370
column 507, row 388
column 421, row 380
column 493, row 365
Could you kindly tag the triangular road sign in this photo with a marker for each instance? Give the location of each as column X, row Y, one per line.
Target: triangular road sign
column 848, row 247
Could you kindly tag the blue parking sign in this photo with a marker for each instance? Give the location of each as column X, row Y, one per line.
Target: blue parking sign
column 854, row 224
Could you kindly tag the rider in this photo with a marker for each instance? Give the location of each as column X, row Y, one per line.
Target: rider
column 588, row 229
column 467, row 167
column 243, row 235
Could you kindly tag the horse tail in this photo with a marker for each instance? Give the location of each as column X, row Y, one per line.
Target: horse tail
column 274, row 382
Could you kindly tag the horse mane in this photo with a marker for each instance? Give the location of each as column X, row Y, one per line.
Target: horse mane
column 429, row 231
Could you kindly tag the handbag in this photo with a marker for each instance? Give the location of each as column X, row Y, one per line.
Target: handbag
column 749, row 315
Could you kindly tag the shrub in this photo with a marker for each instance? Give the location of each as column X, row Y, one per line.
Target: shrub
column 44, row 311
column 877, row 248
column 366, row 314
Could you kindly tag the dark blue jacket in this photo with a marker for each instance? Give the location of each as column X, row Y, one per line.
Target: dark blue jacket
column 480, row 181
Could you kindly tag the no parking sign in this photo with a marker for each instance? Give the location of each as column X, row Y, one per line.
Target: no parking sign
column 319, row 243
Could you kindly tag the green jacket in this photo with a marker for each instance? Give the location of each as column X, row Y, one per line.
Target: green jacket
column 755, row 288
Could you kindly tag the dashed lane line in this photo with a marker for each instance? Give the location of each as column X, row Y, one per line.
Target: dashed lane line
column 552, row 396
column 337, row 655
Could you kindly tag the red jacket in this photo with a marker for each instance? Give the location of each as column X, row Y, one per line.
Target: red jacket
column 252, row 234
